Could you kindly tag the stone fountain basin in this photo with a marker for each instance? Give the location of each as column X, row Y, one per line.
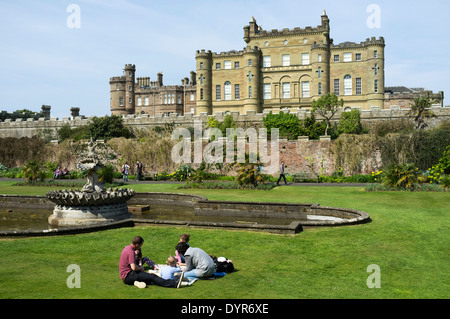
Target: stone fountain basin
column 184, row 210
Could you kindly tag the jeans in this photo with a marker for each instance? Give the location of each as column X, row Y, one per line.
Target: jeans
column 191, row 274
column 149, row 279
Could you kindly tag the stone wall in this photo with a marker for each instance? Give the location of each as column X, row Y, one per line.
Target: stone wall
column 31, row 127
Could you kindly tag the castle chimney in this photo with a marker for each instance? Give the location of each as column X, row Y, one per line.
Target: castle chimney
column 193, row 76
column 46, row 111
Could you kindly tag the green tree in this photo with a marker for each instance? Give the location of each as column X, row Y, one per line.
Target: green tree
column 288, row 124
column 350, row 122
column 327, row 106
column 107, row 127
column 420, row 111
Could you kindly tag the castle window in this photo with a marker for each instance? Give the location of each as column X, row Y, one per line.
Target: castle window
column 358, row 57
column 139, row 101
column 130, row 100
column 305, row 58
column 376, row 86
column 358, row 86
column 249, row 62
column 375, row 54
column 249, row 92
column 218, row 93
column 267, row 61
column 336, row 58
column 286, row 88
column 285, row 42
column 286, row 58
column 237, row 93
column 319, row 72
column 347, row 57
column 336, row 87
column 267, row 91
column 201, row 78
column 121, row 101
column 218, row 66
column 146, row 100
column 305, row 40
column 227, row 91
column 130, row 88
column 320, row 88
column 192, row 97
column 201, row 94
column 117, row 87
column 319, row 58
column 305, row 89
column 227, row 65
column 376, row 69
column 201, row 65
column 347, row 85
column 236, row 65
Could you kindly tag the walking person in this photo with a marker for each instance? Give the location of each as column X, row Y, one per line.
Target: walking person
column 138, row 171
column 133, row 274
column 125, row 171
column 282, row 174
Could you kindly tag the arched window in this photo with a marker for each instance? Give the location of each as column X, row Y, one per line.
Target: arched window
column 227, row 91
column 347, row 85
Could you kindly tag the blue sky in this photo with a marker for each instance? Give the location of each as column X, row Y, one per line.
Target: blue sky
column 46, row 62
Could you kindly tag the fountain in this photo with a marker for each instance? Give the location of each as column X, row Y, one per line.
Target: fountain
column 93, row 204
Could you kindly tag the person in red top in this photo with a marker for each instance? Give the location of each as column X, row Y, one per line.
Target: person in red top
column 133, row 274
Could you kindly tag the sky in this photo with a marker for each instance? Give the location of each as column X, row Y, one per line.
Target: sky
column 63, row 53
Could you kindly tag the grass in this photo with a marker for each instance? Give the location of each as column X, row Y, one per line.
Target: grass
column 407, row 238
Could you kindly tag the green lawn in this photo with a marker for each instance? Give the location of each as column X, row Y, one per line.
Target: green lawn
column 408, row 239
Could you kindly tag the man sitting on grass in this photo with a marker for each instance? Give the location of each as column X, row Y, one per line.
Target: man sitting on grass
column 133, row 274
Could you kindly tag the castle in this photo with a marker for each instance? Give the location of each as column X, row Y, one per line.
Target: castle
column 285, row 69
column 276, row 70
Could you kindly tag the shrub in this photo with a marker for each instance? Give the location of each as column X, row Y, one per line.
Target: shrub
column 402, row 176
column 288, row 124
column 33, row 171
column 350, row 123
column 445, row 181
column 106, row 174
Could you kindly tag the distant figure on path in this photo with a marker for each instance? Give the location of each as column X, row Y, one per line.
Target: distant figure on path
column 282, row 174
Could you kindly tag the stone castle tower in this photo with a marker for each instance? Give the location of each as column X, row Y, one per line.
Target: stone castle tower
column 289, row 69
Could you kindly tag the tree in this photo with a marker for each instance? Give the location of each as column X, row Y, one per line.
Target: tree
column 107, row 127
column 350, row 123
column 420, row 111
column 288, row 124
column 327, row 106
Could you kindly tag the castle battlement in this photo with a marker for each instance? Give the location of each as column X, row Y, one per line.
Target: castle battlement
column 350, row 45
column 31, row 127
